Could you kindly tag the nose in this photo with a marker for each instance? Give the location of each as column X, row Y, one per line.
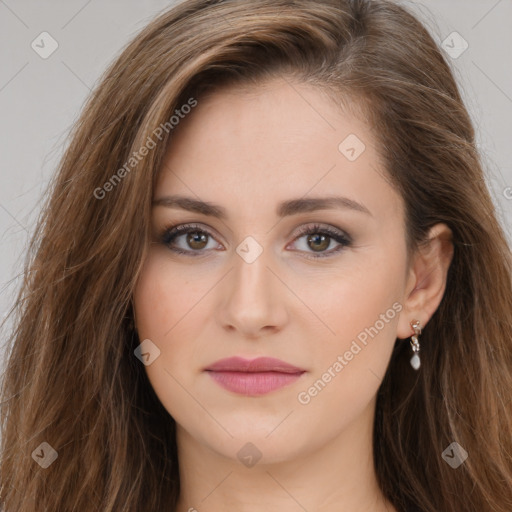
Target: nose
column 253, row 299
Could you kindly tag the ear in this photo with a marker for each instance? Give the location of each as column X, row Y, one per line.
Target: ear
column 426, row 283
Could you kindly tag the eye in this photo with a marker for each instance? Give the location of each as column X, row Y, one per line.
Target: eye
column 196, row 239
column 194, row 242
column 318, row 239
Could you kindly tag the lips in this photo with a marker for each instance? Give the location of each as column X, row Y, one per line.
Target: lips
column 253, row 377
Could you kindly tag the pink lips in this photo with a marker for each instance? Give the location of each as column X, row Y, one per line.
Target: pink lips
column 253, row 377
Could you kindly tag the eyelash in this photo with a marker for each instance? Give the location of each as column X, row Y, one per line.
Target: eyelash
column 170, row 233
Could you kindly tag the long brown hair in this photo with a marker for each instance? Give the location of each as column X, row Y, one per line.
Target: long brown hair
column 72, row 380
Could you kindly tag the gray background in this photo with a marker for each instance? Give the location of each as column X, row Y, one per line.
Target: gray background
column 41, row 98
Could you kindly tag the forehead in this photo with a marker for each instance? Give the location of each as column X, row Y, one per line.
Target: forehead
column 253, row 146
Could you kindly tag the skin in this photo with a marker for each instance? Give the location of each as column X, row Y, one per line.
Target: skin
column 247, row 150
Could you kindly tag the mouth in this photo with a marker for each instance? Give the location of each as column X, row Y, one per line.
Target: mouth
column 253, row 377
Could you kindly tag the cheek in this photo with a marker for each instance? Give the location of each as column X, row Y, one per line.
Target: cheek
column 360, row 307
column 353, row 297
column 349, row 367
column 171, row 311
column 166, row 297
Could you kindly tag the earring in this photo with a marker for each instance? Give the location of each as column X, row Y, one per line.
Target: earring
column 415, row 344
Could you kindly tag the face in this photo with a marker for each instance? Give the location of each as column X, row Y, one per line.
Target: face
column 267, row 268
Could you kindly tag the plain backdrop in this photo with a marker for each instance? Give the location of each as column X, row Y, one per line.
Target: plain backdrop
column 40, row 98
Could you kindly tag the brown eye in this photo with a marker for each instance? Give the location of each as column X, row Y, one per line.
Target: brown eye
column 318, row 242
column 187, row 239
column 317, row 239
column 197, row 240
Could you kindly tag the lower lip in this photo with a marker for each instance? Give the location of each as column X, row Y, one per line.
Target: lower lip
column 253, row 383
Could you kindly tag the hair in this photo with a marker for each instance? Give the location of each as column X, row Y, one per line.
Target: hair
column 71, row 378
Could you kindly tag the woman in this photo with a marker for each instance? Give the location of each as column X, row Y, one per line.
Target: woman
column 269, row 274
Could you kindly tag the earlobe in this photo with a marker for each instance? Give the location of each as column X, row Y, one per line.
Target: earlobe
column 427, row 279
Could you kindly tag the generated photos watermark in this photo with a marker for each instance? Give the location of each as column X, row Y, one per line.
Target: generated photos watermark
column 304, row 397
column 137, row 156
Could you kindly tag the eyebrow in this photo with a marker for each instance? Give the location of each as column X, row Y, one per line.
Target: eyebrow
column 284, row 209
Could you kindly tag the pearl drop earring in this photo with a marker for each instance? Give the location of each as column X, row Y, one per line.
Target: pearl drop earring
column 415, row 344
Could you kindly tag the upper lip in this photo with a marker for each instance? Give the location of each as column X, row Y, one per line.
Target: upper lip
column 260, row 364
